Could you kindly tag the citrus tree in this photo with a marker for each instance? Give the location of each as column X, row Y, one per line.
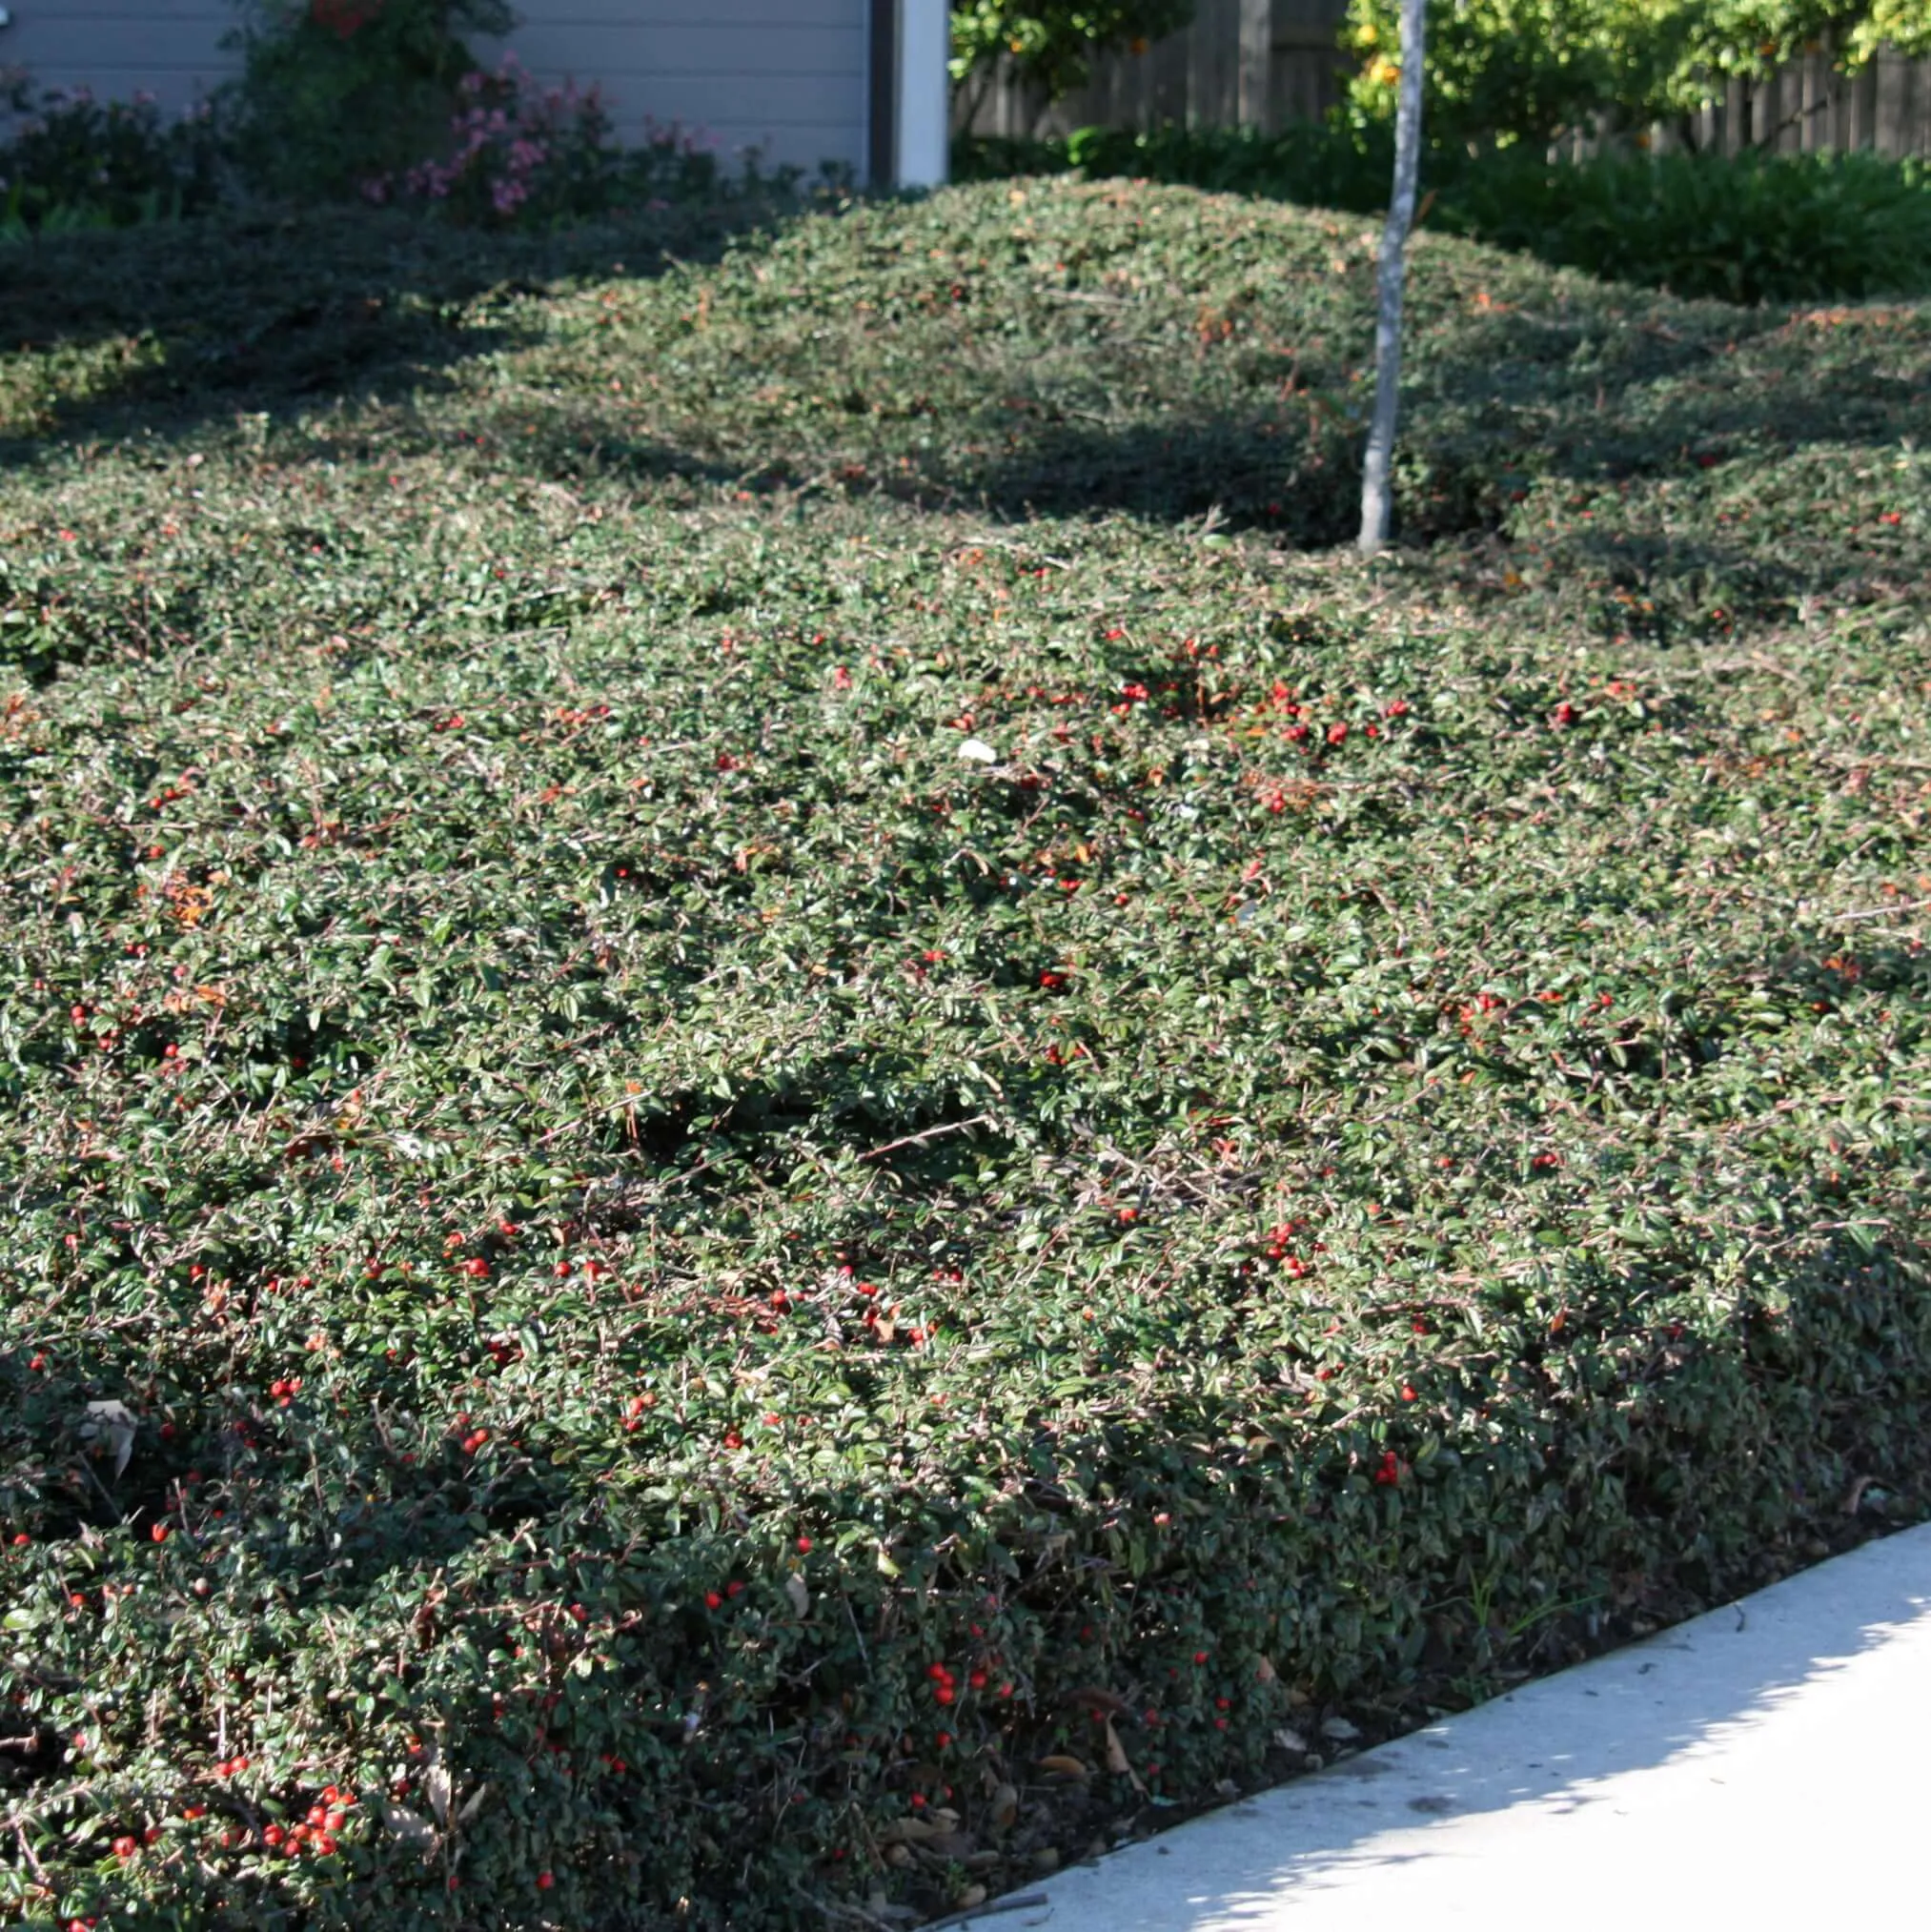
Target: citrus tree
column 1503, row 72
column 1050, row 44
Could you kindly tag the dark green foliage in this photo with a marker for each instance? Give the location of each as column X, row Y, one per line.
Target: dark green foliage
column 700, row 1279
column 1746, row 229
column 72, row 162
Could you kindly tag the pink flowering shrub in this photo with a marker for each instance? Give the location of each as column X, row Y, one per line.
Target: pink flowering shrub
column 333, row 91
column 518, row 153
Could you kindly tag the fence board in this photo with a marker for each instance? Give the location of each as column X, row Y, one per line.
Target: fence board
column 1255, row 93
column 1893, row 84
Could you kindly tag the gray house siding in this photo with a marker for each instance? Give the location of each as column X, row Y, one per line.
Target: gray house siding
column 786, row 76
column 119, row 48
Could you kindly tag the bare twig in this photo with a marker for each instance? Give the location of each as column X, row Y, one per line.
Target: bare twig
column 930, row 1133
column 1878, row 912
column 841, row 1909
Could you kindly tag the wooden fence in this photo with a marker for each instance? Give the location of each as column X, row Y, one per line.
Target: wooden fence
column 1265, row 63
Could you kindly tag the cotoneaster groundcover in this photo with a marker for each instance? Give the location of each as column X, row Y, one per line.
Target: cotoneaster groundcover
column 792, row 1113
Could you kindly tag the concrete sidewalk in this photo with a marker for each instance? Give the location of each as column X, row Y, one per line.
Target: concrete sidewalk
column 1765, row 1766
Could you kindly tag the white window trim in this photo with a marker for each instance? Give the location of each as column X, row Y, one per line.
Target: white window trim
column 924, row 94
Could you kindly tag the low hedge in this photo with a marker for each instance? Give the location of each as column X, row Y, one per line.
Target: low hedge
column 799, row 1194
column 1740, row 228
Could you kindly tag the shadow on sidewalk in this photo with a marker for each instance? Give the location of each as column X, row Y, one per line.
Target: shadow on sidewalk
column 1463, row 1808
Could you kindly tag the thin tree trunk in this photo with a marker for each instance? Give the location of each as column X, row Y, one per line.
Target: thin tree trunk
column 1375, row 501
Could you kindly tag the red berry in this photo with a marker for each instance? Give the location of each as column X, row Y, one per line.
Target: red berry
column 125, row 1848
column 546, row 1880
column 160, row 1533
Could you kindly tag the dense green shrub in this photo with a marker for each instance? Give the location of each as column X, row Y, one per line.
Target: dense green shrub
column 1311, row 163
column 1744, row 228
column 1375, row 1142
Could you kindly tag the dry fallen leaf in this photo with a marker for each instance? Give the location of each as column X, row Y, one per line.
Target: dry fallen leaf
column 408, row 1824
column 915, row 1831
column 1063, row 1766
column 800, row 1592
column 1116, row 1754
column 113, row 1423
